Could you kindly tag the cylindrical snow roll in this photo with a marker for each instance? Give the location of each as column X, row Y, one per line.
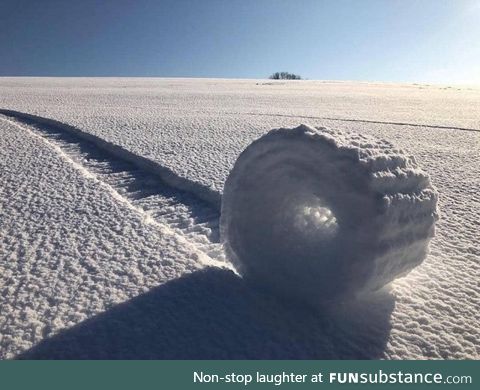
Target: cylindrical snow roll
column 319, row 214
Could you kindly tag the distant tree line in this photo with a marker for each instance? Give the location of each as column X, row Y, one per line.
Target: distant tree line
column 285, row 76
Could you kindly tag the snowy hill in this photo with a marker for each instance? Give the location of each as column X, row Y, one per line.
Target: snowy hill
column 109, row 209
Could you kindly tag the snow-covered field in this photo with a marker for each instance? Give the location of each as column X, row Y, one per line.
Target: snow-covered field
column 101, row 258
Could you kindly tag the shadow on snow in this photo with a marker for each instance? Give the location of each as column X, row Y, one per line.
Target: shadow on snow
column 214, row 314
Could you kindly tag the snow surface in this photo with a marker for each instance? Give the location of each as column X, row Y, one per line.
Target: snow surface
column 76, row 239
column 70, row 245
column 321, row 215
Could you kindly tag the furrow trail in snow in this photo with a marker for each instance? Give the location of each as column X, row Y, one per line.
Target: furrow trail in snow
column 442, row 127
column 168, row 176
column 179, row 212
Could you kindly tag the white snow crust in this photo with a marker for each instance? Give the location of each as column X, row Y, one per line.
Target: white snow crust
column 73, row 246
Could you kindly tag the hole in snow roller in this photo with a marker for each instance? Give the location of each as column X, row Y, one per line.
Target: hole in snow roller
column 318, row 214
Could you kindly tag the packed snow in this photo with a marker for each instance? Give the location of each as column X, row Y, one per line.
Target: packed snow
column 109, row 207
column 319, row 215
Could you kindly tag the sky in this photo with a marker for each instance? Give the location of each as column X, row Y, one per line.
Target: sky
column 432, row 41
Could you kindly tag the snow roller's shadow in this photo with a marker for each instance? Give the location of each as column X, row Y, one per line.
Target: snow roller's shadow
column 214, row 314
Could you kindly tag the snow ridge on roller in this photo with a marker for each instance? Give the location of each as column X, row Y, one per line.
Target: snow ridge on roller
column 318, row 214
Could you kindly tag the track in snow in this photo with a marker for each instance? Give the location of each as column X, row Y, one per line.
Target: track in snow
column 183, row 212
column 358, row 120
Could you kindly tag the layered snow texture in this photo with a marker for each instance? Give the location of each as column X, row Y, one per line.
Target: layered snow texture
column 197, row 129
column 317, row 214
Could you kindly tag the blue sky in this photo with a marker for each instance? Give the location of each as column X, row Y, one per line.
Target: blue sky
column 376, row 40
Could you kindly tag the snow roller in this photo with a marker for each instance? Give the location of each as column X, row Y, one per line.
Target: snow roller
column 318, row 214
